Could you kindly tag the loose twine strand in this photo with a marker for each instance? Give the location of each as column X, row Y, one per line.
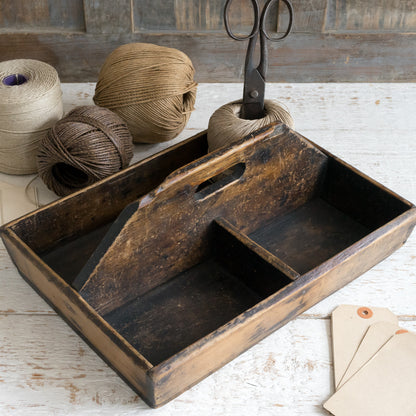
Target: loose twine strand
column 87, row 145
column 151, row 87
column 27, row 111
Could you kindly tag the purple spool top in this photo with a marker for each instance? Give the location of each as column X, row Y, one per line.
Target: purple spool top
column 15, row 79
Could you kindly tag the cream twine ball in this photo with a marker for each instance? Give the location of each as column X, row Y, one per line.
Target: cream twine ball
column 87, row 145
column 225, row 125
column 151, row 87
column 30, row 103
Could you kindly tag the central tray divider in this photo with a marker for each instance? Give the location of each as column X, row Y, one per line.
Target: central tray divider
column 168, row 231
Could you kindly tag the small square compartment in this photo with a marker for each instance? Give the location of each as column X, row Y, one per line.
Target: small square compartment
column 309, row 235
column 169, row 284
column 347, row 208
column 228, row 281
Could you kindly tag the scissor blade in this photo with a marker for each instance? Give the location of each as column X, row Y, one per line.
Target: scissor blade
column 252, row 111
column 253, row 96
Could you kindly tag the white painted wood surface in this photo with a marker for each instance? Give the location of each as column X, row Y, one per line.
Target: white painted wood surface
column 46, row 369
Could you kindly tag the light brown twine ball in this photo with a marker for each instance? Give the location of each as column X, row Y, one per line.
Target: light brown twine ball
column 225, row 125
column 89, row 144
column 151, row 87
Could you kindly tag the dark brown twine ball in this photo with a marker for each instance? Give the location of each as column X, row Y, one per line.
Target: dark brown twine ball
column 87, row 145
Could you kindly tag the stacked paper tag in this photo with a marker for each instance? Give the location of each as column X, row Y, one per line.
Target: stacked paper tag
column 374, row 364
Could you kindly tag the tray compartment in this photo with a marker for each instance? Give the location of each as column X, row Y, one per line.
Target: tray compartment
column 309, row 235
column 229, row 281
column 69, row 256
column 358, row 196
column 188, row 307
column 348, row 208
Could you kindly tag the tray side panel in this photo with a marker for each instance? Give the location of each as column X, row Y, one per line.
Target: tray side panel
column 362, row 198
column 117, row 353
column 201, row 359
column 101, row 202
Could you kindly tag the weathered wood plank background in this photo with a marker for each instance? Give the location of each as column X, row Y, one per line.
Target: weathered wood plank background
column 332, row 40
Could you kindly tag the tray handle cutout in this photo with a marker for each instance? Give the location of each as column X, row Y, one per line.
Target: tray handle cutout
column 237, row 161
column 219, row 181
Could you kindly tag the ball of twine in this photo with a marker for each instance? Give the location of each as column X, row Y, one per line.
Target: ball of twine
column 89, row 144
column 30, row 103
column 225, row 125
column 151, row 87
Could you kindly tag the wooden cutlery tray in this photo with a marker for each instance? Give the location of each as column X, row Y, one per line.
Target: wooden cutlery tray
column 170, row 279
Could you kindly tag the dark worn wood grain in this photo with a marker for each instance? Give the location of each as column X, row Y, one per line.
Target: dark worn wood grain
column 309, row 235
column 258, row 250
column 209, row 353
column 282, row 172
column 130, row 364
column 364, row 201
column 69, row 256
column 192, row 305
column 214, row 268
column 83, row 213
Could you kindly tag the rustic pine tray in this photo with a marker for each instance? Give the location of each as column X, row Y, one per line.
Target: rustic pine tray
column 169, row 282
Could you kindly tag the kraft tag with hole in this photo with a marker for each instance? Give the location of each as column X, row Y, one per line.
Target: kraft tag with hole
column 349, row 325
column 374, row 339
column 384, row 386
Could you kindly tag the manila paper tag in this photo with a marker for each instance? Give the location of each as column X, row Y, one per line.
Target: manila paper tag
column 384, row 386
column 349, row 325
column 376, row 336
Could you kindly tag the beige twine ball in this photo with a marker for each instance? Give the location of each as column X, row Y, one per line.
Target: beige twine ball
column 30, row 103
column 151, row 87
column 225, row 125
column 87, row 145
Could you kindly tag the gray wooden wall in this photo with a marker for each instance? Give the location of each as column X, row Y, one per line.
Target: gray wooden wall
column 333, row 40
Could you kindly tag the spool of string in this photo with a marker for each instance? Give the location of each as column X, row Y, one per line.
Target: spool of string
column 225, row 125
column 151, row 87
column 30, row 103
column 89, row 144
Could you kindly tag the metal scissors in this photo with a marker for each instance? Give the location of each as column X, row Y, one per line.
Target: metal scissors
column 255, row 77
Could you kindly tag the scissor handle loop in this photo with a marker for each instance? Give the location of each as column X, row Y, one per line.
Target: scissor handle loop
column 256, row 23
column 263, row 18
